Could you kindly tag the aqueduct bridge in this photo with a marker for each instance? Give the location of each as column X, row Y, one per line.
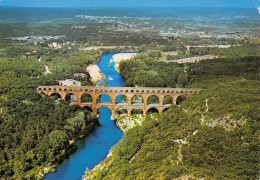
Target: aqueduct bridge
column 114, row 92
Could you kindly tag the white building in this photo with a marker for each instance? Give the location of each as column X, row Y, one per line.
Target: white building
column 69, row 82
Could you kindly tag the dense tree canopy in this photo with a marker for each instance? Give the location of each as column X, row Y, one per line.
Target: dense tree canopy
column 146, row 71
column 211, row 135
column 35, row 129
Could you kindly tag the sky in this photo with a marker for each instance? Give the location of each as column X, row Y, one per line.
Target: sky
column 132, row 3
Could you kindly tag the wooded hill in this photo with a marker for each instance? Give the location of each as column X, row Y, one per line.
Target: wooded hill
column 211, row 135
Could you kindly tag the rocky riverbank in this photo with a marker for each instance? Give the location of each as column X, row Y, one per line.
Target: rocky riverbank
column 125, row 122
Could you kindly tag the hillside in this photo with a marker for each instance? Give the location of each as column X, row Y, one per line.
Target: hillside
column 212, row 135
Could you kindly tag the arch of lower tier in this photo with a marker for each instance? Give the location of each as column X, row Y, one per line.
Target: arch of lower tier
column 127, row 108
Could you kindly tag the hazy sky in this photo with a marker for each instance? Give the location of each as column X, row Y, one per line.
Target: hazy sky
column 132, row 3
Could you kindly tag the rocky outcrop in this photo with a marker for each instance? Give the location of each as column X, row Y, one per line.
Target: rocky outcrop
column 125, row 122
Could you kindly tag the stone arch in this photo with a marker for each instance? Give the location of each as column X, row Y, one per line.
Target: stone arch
column 165, row 109
column 70, row 98
column 137, row 99
column 167, row 100
column 75, row 107
column 152, row 100
column 86, row 99
column 152, row 110
column 105, row 98
column 87, row 108
column 121, row 99
column 137, row 111
column 180, row 99
column 103, row 107
column 104, row 110
column 56, row 95
column 120, row 111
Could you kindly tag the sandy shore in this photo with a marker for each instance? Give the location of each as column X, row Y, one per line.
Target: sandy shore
column 94, row 73
column 117, row 58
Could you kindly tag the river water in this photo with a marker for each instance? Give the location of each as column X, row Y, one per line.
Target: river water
column 94, row 148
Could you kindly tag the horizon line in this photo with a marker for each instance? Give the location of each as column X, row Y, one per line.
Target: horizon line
column 77, row 7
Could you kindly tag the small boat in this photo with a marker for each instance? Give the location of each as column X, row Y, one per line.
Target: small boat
column 110, row 78
column 109, row 65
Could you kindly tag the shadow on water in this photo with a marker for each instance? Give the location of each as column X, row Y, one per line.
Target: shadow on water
column 94, row 148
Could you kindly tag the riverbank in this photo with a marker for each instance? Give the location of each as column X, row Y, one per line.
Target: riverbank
column 94, row 148
column 94, row 73
column 117, row 58
column 125, row 123
column 51, row 168
column 71, row 149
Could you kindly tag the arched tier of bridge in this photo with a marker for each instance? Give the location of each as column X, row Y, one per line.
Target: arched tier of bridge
column 114, row 92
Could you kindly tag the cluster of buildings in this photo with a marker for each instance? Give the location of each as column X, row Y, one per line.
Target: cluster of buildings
column 72, row 82
column 54, row 45
column 69, row 82
column 170, row 53
column 193, row 59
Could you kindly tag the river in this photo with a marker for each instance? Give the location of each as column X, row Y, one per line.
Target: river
column 94, row 148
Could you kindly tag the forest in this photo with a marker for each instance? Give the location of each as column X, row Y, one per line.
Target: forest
column 36, row 131
column 145, row 70
column 211, row 135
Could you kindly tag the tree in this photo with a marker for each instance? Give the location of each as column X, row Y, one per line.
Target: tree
column 182, row 79
column 58, row 140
